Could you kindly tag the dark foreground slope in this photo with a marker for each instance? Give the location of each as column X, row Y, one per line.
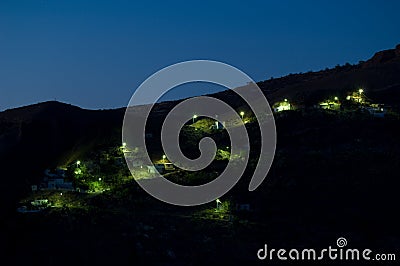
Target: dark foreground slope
column 334, row 175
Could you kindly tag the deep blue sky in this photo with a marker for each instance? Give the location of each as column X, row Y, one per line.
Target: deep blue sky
column 95, row 53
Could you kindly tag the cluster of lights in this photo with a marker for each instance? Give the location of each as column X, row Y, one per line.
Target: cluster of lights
column 360, row 91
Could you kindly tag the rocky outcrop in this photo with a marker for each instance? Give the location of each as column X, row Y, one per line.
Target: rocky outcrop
column 384, row 57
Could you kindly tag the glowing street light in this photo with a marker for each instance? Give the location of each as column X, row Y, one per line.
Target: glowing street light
column 242, row 114
column 164, row 157
column 285, row 100
column 194, row 117
column 336, row 98
column 99, row 178
column 124, row 144
column 78, row 163
column 218, row 202
column 360, row 91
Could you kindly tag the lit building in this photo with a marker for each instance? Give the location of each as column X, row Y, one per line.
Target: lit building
column 357, row 96
column 282, row 106
column 330, row 104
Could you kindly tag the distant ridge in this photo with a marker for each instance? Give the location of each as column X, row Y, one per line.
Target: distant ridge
column 379, row 76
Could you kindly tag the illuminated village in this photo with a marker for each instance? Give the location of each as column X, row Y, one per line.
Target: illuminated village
column 105, row 170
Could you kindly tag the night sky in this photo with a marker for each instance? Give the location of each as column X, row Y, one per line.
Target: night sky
column 95, row 53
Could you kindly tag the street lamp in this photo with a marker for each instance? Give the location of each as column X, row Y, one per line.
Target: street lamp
column 78, row 163
column 218, row 202
column 285, row 100
column 360, row 91
column 164, row 157
column 194, row 117
column 242, row 114
column 336, row 98
column 99, row 178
